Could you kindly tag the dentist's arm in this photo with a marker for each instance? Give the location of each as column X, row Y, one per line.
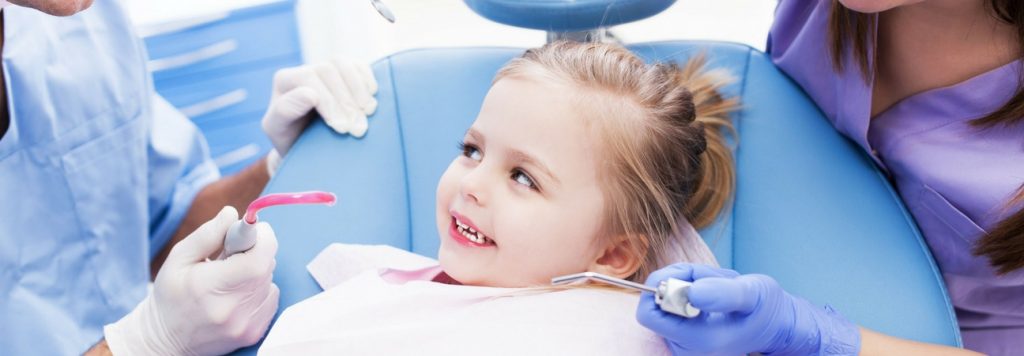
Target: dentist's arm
column 198, row 306
column 742, row 314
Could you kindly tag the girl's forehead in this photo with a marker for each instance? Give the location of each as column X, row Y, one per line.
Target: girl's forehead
column 543, row 120
column 535, row 107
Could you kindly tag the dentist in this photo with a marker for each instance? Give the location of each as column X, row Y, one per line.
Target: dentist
column 100, row 178
column 933, row 92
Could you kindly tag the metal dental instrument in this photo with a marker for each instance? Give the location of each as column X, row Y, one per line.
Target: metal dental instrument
column 383, row 10
column 670, row 296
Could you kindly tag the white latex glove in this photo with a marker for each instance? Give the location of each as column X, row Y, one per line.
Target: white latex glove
column 203, row 307
column 340, row 90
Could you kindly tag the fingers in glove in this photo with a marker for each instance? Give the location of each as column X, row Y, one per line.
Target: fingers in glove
column 358, row 128
column 255, row 264
column 650, row 315
column 287, row 116
column 688, row 272
column 668, row 325
column 730, row 295
column 367, row 78
column 341, row 97
column 264, row 314
column 288, row 79
column 354, row 78
column 292, row 104
column 348, row 121
column 206, row 240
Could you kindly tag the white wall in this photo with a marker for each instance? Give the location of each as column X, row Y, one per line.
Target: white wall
column 352, row 28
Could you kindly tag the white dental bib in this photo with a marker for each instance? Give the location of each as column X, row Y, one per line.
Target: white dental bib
column 405, row 313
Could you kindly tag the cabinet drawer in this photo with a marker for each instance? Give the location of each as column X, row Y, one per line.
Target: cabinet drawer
column 243, row 36
column 223, row 95
column 235, row 147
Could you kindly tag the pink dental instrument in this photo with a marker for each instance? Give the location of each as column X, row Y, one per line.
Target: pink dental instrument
column 242, row 234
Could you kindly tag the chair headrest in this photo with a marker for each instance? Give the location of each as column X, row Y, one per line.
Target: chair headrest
column 567, row 15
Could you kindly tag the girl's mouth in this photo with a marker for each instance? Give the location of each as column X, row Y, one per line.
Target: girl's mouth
column 467, row 235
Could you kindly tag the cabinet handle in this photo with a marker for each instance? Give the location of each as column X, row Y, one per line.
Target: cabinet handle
column 186, row 59
column 222, row 101
column 237, row 155
column 157, row 29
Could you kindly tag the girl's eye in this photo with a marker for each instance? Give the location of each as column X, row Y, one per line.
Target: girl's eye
column 470, row 151
column 522, row 178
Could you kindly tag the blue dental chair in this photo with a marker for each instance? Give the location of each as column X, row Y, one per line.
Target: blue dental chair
column 810, row 209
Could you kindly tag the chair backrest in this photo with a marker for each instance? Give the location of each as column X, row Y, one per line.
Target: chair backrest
column 810, row 210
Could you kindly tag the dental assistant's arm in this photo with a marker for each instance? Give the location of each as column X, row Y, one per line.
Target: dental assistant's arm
column 100, row 349
column 752, row 313
column 875, row 343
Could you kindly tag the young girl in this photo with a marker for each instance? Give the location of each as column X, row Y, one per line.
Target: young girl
column 583, row 158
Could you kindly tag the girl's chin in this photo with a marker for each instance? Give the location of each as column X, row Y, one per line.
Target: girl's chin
column 462, row 273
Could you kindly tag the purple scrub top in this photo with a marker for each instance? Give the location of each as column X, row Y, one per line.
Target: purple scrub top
column 955, row 179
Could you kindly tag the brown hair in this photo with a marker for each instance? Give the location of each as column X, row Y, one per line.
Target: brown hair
column 1004, row 245
column 662, row 130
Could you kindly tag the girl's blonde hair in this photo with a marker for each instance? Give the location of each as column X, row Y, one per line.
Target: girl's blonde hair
column 667, row 164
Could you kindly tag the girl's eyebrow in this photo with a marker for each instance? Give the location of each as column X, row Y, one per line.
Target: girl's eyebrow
column 475, row 135
column 521, row 158
column 517, row 156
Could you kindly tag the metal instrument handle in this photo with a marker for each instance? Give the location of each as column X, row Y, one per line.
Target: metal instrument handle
column 594, row 276
column 671, row 295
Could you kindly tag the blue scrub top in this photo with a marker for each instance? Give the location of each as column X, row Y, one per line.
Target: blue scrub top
column 96, row 173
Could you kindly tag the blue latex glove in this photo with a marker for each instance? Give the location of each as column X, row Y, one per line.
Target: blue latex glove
column 742, row 314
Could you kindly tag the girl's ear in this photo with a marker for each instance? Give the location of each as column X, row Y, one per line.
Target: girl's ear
column 619, row 259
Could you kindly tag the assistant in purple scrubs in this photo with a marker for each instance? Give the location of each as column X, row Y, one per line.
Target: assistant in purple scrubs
column 955, row 178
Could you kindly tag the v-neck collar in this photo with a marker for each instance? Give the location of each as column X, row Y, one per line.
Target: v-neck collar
column 966, row 100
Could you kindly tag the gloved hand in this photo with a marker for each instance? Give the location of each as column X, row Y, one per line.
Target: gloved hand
column 742, row 314
column 202, row 307
column 341, row 91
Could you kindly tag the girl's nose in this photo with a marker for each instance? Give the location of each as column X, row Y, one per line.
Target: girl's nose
column 473, row 187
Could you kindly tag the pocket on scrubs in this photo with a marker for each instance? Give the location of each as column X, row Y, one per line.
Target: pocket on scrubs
column 950, row 233
column 955, row 220
column 107, row 181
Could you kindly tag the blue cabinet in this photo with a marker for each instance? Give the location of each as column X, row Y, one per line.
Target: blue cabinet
column 219, row 72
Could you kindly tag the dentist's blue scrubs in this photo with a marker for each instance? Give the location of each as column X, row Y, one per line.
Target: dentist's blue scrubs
column 96, row 172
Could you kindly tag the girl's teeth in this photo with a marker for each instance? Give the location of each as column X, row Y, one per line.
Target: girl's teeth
column 470, row 234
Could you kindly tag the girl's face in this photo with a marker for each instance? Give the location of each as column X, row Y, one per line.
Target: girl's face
column 521, row 203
